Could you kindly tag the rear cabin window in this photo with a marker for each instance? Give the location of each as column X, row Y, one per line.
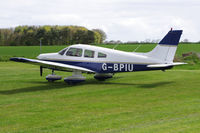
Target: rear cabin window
column 74, row 52
column 102, row 55
column 89, row 54
column 62, row 51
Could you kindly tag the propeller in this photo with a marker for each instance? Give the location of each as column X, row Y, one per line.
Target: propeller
column 41, row 70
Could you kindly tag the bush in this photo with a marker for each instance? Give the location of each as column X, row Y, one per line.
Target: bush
column 4, row 58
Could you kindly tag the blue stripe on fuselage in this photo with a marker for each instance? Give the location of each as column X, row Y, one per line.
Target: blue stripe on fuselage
column 110, row 67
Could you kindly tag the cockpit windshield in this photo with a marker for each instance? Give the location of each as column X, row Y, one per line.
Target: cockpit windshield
column 62, row 52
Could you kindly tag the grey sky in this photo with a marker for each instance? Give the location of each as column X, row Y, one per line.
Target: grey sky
column 125, row 20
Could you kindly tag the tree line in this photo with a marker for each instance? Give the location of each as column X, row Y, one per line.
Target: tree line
column 50, row 35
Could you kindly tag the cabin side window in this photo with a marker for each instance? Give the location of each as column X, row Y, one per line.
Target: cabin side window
column 101, row 55
column 62, row 51
column 89, row 54
column 74, row 52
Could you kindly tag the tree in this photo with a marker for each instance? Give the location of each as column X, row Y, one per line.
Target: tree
column 50, row 35
column 185, row 40
column 102, row 34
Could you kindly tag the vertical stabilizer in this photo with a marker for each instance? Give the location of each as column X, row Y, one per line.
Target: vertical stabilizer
column 166, row 49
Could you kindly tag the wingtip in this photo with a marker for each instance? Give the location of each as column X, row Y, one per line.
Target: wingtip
column 17, row 59
column 13, row 58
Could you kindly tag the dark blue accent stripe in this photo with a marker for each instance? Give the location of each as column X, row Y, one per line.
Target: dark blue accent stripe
column 97, row 67
column 101, row 67
column 172, row 38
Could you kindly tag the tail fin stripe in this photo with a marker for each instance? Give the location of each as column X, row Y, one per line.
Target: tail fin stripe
column 172, row 38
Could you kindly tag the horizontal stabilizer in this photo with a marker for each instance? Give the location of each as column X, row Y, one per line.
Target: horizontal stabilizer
column 166, row 65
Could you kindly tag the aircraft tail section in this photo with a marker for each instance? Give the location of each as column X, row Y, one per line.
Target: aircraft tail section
column 166, row 49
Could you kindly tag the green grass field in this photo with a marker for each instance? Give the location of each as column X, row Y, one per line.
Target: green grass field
column 138, row 102
column 33, row 51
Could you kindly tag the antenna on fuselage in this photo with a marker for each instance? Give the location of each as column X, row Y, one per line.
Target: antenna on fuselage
column 137, row 47
column 115, row 46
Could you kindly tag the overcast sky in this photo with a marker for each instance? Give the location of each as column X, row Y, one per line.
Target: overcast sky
column 126, row 20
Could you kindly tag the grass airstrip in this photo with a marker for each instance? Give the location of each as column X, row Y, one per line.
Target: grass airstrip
column 138, row 102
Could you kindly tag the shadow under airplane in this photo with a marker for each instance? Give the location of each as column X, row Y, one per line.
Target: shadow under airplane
column 59, row 85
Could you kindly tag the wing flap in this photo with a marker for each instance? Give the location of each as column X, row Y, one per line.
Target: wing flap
column 51, row 65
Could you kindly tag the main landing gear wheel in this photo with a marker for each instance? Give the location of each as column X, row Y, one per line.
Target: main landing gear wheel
column 52, row 77
column 77, row 77
column 103, row 76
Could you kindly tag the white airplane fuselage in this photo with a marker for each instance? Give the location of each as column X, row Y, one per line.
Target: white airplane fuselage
column 115, row 60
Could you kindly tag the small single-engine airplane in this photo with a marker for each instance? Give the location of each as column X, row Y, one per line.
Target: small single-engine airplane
column 105, row 62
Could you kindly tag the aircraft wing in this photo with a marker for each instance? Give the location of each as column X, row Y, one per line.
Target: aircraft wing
column 51, row 65
column 166, row 65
